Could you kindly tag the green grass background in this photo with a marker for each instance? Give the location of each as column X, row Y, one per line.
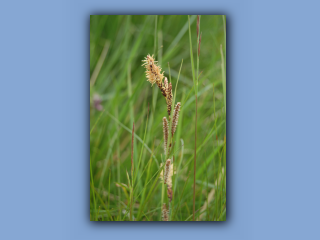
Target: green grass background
column 118, row 44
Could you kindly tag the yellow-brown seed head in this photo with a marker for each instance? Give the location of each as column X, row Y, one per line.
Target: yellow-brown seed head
column 169, row 98
column 167, row 172
column 153, row 71
column 169, row 192
column 175, row 118
column 165, row 213
column 165, row 82
column 165, row 134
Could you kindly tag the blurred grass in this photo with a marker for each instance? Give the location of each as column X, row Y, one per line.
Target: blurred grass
column 117, row 46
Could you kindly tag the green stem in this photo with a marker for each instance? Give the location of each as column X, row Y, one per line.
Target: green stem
column 195, row 159
column 92, row 187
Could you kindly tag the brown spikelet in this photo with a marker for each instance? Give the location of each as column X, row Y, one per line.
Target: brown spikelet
column 153, row 73
column 167, row 171
column 165, row 83
column 170, row 173
column 162, row 88
column 169, row 98
column 169, row 192
column 165, row 213
column 165, row 134
column 175, row 118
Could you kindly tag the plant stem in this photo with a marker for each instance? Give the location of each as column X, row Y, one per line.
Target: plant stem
column 155, row 36
column 194, row 167
column 92, row 187
column 118, row 164
column 195, row 85
column 132, row 166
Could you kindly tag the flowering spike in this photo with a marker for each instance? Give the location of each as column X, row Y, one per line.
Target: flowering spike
column 169, row 193
column 175, row 118
column 165, row 213
column 153, row 72
column 169, row 98
column 167, row 171
column 165, row 83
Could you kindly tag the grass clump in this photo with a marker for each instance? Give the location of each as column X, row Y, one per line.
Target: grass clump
column 142, row 162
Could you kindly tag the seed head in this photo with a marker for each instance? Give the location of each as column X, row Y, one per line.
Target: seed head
column 175, row 118
column 165, row 213
column 167, row 171
column 165, row 82
column 167, row 176
column 162, row 88
column 169, row 193
column 169, row 98
column 153, row 72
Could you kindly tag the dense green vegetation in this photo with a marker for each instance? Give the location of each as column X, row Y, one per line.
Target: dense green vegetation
column 120, row 95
